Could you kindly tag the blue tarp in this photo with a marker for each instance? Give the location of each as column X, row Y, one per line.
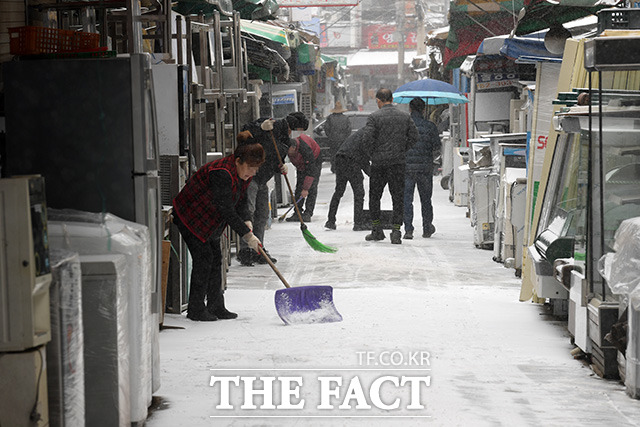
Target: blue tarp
column 531, row 45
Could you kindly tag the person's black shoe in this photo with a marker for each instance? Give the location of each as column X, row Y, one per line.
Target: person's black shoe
column 245, row 256
column 375, row 235
column 224, row 314
column 361, row 227
column 331, row 225
column 395, row 237
column 260, row 259
column 306, row 217
column 408, row 235
column 429, row 232
column 201, row 316
column 293, row 218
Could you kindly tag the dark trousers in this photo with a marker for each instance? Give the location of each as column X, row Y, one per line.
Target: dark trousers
column 347, row 172
column 307, row 205
column 379, row 178
column 424, row 182
column 206, row 275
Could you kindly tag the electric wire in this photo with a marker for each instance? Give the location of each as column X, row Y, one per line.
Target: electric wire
column 35, row 416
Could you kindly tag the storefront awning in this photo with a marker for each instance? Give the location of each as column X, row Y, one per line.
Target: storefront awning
column 470, row 22
column 256, row 9
column 531, row 45
column 206, row 7
column 540, row 14
column 274, row 33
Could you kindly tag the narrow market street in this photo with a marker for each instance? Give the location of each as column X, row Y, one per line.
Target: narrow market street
column 437, row 308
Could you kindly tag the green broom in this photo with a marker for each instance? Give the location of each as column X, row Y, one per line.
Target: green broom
column 310, row 238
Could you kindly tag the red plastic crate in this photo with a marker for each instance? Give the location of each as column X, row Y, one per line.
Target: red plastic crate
column 85, row 41
column 32, row 40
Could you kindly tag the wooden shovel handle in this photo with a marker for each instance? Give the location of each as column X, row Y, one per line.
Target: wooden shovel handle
column 275, row 145
column 273, row 266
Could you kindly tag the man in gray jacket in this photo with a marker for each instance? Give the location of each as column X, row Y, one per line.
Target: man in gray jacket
column 389, row 133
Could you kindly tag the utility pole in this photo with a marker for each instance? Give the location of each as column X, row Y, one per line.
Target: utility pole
column 400, row 38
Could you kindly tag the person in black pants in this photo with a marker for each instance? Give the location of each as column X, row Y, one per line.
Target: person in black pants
column 419, row 171
column 304, row 154
column 337, row 128
column 214, row 197
column 350, row 161
column 388, row 134
column 263, row 130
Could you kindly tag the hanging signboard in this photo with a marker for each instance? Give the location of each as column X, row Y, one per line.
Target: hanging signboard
column 384, row 37
column 337, row 35
column 317, row 3
column 495, row 80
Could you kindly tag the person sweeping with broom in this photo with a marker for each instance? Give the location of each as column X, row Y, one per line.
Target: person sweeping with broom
column 304, row 154
column 263, row 130
column 214, row 197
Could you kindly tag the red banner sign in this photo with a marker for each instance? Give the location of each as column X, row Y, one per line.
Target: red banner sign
column 384, row 37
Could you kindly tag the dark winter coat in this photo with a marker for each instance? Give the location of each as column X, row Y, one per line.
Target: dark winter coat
column 281, row 134
column 388, row 134
column 354, row 149
column 213, row 198
column 337, row 127
column 307, row 159
column 420, row 156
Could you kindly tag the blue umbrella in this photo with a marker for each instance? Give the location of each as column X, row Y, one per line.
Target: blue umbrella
column 433, row 92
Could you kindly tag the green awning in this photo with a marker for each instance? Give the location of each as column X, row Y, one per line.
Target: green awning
column 326, row 58
column 207, row 7
column 270, row 32
column 256, row 9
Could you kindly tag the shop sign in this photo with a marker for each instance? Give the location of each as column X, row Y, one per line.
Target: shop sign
column 495, row 80
column 385, row 37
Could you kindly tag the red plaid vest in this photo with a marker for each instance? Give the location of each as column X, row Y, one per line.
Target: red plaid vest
column 194, row 204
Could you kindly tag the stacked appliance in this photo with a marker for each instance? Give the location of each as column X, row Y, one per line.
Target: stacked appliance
column 89, row 127
column 482, row 189
column 24, row 301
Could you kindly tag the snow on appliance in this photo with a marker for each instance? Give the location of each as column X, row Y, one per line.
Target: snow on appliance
column 512, row 165
column 482, row 185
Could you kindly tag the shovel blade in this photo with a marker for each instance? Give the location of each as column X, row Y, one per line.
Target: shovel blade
column 306, row 304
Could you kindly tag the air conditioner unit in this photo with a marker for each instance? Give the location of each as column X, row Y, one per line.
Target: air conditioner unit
column 25, row 270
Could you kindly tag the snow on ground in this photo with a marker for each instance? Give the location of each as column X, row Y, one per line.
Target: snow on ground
column 437, row 309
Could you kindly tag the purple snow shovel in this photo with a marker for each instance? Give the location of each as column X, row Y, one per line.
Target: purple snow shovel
column 303, row 304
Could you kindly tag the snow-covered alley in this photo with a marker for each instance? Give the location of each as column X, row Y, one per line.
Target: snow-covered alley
column 433, row 333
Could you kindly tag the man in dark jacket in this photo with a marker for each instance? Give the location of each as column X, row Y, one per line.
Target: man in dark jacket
column 419, row 170
column 389, row 133
column 258, row 191
column 305, row 156
column 338, row 128
column 351, row 159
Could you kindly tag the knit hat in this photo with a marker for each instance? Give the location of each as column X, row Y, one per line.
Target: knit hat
column 297, row 120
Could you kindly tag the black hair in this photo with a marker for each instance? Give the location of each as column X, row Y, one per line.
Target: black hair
column 297, row 120
column 384, row 95
column 417, row 104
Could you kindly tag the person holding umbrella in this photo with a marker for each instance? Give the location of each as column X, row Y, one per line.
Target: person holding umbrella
column 214, row 197
column 419, row 171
